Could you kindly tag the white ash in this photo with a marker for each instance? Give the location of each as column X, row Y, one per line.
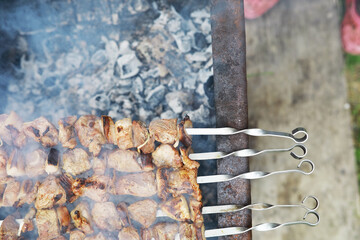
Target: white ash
column 158, row 74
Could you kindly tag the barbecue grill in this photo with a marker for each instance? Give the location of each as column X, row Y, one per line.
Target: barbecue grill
column 230, row 95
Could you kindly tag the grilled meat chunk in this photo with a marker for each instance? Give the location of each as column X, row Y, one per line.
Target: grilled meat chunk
column 137, row 184
column 124, row 215
column 11, row 129
column 42, row 131
column 200, row 233
column 11, row 193
column 144, row 212
column 50, row 193
column 183, row 136
column 67, row 132
column 129, row 161
column 94, row 187
column 176, row 182
column 195, row 212
column 106, row 216
column 99, row 164
column 187, row 161
column 142, row 138
column 64, row 218
column 47, row 224
column 76, row 161
column 82, row 218
column 108, row 129
column 128, row 233
column 176, row 208
column 28, row 191
column 28, row 225
column 77, row 235
column 166, row 155
column 187, row 231
column 35, row 163
column 15, row 165
column 3, row 160
column 89, row 131
column 9, row 228
column 164, row 130
column 99, row 236
column 123, row 131
column 160, row 231
column 52, row 162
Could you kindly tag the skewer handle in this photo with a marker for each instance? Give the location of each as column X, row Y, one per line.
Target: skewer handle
column 256, row 132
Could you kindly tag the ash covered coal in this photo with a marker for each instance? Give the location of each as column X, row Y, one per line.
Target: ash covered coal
column 139, row 59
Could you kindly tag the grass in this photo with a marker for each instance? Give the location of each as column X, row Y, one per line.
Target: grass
column 352, row 72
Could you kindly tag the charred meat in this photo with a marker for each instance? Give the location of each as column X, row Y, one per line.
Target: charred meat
column 164, row 130
column 176, row 208
column 123, row 132
column 82, row 218
column 67, row 132
column 50, row 193
column 42, row 131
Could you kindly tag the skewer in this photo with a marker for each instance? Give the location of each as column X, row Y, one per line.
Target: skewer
column 260, row 227
column 234, row 208
column 247, row 153
column 255, row 174
column 257, row 132
column 254, row 206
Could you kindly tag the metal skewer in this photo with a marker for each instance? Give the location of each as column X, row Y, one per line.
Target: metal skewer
column 260, row 227
column 247, row 153
column 257, row 132
column 255, row 174
column 255, row 207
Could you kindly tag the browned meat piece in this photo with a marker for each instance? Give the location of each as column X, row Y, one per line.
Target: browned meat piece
column 76, row 161
column 35, row 163
column 64, row 218
column 99, row 164
column 42, row 131
column 164, row 130
column 67, row 132
column 128, row 233
column 52, row 162
column 176, row 182
column 15, row 165
column 106, row 216
column 99, row 236
column 187, row 161
column 28, row 225
column 147, row 234
column 183, row 136
column 11, row 193
column 82, row 218
column 50, row 193
column 47, row 224
column 9, row 228
column 2, row 190
column 108, row 129
column 137, row 184
column 166, row 231
column 11, row 129
column 200, row 233
column 66, row 181
column 123, row 213
column 161, row 179
column 142, row 138
column 176, row 208
column 129, row 161
column 187, row 231
column 166, row 155
column 123, row 133
column 195, row 212
column 28, row 191
column 3, row 160
column 94, row 187
column 89, row 131
column 59, row 238
column 144, row 212
column 77, row 235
